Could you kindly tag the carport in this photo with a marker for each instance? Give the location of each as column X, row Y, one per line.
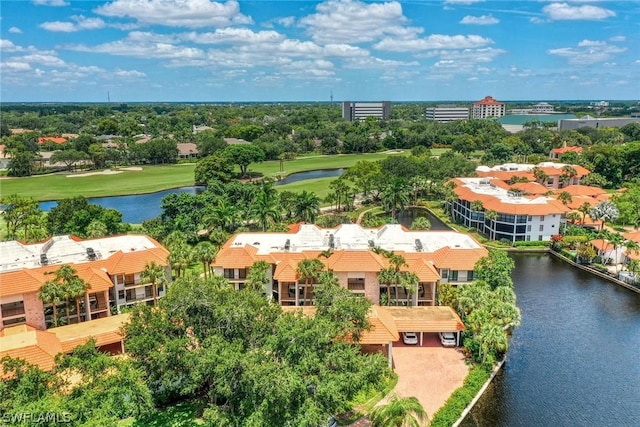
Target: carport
column 427, row 319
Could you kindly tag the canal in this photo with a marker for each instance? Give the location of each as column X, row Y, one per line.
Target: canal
column 574, row 361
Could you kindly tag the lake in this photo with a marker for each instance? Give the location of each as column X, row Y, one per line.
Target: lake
column 574, row 360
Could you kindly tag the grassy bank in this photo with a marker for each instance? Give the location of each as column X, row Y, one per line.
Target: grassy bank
column 156, row 178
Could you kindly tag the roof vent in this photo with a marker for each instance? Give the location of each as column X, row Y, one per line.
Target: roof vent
column 372, row 244
column 287, row 245
column 91, row 253
column 43, row 259
column 418, row 245
column 332, row 243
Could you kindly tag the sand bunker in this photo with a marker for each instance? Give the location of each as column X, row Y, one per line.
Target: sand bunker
column 104, row 172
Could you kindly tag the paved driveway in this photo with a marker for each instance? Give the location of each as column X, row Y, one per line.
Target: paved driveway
column 430, row 373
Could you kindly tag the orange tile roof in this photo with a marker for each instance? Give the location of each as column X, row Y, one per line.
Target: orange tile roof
column 286, row 271
column 105, row 331
column 356, row 261
column 563, row 150
column 633, row 235
column 423, row 268
column 488, row 100
column 35, row 347
column 577, row 201
column 530, row 187
column 552, row 171
column 601, row 245
column 458, row 259
column 56, row 139
column 133, row 262
column 426, row 319
column 383, row 328
column 582, row 190
column 506, row 175
column 30, row 280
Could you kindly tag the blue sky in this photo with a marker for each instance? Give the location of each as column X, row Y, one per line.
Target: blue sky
column 276, row 50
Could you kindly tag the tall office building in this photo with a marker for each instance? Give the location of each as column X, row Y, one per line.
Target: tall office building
column 361, row 110
column 487, row 108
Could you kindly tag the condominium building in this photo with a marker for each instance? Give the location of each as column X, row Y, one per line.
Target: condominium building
column 111, row 266
column 549, row 174
column 361, row 110
column 542, row 108
column 515, row 216
column 487, row 108
column 596, row 122
column 447, row 113
column 351, row 253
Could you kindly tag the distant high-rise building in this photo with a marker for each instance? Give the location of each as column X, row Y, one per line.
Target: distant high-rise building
column 447, row 113
column 361, row 110
column 486, row 108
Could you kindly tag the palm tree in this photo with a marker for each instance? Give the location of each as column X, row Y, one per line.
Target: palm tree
column 223, row 215
column 205, row 252
column 258, row 276
column 387, row 276
column 421, row 223
column 51, row 292
column 573, row 217
column 540, row 175
column 584, row 209
column 568, row 172
column 565, row 197
column 604, row 211
column 617, row 240
column 76, row 289
column 399, row 412
column 634, row 268
column 491, row 215
column 492, row 338
column 307, row 206
column 409, row 281
column 179, row 259
column 309, row 270
column 264, row 210
column 394, row 196
column 153, row 273
column 477, row 207
column 396, row 261
column 70, row 284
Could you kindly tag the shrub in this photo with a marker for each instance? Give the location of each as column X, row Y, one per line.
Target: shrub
column 458, row 401
column 537, row 243
column 568, row 254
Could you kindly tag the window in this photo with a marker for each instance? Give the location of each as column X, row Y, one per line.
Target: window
column 228, row 273
column 13, row 309
column 243, row 273
column 355, row 284
column 444, row 274
column 530, row 218
column 129, row 279
column 541, row 227
column 470, row 275
column 540, row 237
column 454, row 276
column 528, row 238
column 541, row 217
column 120, row 294
column 529, row 227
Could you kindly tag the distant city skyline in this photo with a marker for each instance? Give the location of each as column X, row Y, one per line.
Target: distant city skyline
column 313, row 51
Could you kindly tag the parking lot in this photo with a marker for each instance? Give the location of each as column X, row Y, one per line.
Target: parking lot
column 430, row 373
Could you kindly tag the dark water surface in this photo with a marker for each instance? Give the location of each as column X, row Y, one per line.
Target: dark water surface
column 407, row 216
column 314, row 174
column 135, row 208
column 575, row 359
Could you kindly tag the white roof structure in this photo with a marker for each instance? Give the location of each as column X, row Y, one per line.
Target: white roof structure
column 391, row 237
column 485, row 187
column 15, row 255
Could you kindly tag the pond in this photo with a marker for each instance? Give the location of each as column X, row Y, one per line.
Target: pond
column 574, row 359
column 314, row 174
column 407, row 216
column 135, row 208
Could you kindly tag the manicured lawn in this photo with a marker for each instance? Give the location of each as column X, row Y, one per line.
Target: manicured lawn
column 156, row 178
column 320, row 186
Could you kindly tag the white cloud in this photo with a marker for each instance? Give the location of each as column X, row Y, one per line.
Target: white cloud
column 287, row 21
column 9, row 46
column 234, row 36
column 54, row 3
column 465, row 2
column 142, row 45
column 566, row 12
column 15, row 30
column 14, row 66
column 588, row 52
column 81, row 23
column 617, row 39
column 434, row 41
column 44, row 59
column 480, row 20
column 352, row 21
column 129, row 73
column 177, row 13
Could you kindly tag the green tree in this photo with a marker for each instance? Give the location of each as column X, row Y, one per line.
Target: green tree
column 395, row 197
column 243, row 155
column 205, row 252
column 309, row 271
column 213, row 168
column 584, row 209
column 18, row 212
column 155, row 274
column 52, row 292
column 265, row 210
column 69, row 157
column 421, row 223
column 492, row 339
column 399, row 412
column 306, row 206
column 21, row 164
column 604, row 211
column 387, row 276
column 258, row 277
column 565, row 197
column 495, row 269
column 96, row 228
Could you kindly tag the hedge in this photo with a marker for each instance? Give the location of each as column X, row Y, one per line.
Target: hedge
column 458, row 401
column 537, row 243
